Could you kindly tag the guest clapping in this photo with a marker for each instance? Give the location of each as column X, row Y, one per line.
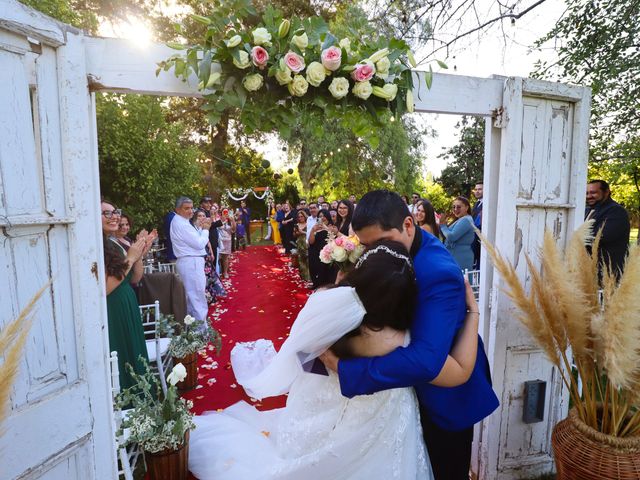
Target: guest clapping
column 459, row 234
column 224, row 243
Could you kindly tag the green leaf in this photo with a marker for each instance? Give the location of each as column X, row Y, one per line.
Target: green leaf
column 177, row 46
column 201, row 19
column 204, row 68
column 442, row 64
column 329, row 40
column 428, row 77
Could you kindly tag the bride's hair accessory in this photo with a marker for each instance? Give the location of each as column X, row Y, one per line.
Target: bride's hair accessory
column 385, row 249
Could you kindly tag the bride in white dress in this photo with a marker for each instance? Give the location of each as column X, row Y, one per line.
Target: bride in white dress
column 320, row 434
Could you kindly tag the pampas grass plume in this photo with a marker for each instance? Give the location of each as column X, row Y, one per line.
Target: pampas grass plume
column 12, row 339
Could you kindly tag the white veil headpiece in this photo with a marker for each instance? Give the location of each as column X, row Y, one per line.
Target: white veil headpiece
column 326, row 317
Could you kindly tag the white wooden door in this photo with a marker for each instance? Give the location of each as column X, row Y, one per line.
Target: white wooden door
column 535, row 178
column 60, row 410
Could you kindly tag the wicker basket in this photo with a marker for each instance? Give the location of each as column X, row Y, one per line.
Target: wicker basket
column 582, row 453
column 190, row 363
column 169, row 464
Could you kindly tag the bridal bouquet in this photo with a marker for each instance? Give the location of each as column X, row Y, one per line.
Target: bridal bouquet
column 156, row 421
column 342, row 251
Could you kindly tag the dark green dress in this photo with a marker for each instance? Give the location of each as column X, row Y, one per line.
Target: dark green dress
column 126, row 335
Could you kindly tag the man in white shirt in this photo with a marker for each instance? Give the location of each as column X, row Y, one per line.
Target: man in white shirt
column 312, row 219
column 189, row 246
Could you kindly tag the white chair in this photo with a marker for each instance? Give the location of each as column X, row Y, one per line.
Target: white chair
column 474, row 279
column 149, row 268
column 128, row 455
column 157, row 346
column 167, row 267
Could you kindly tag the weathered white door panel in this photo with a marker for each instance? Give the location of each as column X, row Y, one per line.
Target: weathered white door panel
column 540, row 186
column 60, row 411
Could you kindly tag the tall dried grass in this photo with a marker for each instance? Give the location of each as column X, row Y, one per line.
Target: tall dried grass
column 12, row 339
column 584, row 322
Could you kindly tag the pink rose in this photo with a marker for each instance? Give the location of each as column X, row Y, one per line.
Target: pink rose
column 363, row 72
column 331, row 58
column 339, row 241
column 259, row 57
column 325, row 254
column 294, row 61
column 349, row 246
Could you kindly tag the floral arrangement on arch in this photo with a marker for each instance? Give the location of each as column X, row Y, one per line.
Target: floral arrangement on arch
column 285, row 65
column 156, row 421
column 191, row 336
column 342, row 251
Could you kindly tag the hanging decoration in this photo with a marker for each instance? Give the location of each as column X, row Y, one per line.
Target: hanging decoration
column 274, row 71
column 239, row 194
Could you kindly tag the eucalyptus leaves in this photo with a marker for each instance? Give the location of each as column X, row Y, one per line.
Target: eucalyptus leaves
column 280, row 67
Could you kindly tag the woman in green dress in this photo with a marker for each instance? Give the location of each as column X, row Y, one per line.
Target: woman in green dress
column 126, row 335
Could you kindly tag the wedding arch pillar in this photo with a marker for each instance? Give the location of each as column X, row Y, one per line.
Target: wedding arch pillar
column 534, row 178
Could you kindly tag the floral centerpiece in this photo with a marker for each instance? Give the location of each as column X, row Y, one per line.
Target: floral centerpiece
column 588, row 324
column 189, row 337
column 281, row 66
column 159, row 423
column 342, row 251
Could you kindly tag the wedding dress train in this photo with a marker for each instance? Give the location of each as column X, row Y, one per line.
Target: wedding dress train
column 319, row 434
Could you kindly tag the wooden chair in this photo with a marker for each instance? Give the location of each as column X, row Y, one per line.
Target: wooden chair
column 157, row 345
column 128, row 455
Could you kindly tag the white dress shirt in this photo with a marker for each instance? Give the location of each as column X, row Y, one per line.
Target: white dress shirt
column 187, row 240
column 311, row 221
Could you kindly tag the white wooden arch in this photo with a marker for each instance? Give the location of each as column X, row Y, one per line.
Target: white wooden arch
column 60, row 422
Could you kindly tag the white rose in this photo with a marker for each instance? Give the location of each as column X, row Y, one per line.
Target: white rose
column 356, row 254
column 284, row 76
column 178, row 374
column 261, row 36
column 339, row 254
column 362, row 90
column 300, row 41
column 251, row 83
column 382, row 65
column 339, row 87
column 298, row 86
column 188, row 320
column 244, row 61
column 346, row 44
column 234, row 41
column 316, row 73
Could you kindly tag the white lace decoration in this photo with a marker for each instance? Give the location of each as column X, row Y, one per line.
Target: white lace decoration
column 385, row 249
column 245, row 193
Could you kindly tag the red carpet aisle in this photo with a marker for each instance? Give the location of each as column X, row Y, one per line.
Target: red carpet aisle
column 264, row 296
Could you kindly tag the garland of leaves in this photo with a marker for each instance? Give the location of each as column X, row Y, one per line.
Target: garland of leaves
column 283, row 67
column 244, row 193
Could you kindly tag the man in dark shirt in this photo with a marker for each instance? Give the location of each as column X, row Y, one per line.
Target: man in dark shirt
column 245, row 213
column 613, row 219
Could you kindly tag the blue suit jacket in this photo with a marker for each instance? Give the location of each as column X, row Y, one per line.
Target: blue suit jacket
column 440, row 313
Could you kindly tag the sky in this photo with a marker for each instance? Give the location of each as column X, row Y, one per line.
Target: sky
column 503, row 49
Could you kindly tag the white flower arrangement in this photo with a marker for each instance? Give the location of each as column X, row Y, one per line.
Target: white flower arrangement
column 192, row 335
column 155, row 421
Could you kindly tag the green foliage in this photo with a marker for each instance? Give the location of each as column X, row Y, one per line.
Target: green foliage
column 338, row 164
column 192, row 335
column 459, row 177
column 155, row 421
column 433, row 191
column 145, row 162
column 87, row 14
column 275, row 101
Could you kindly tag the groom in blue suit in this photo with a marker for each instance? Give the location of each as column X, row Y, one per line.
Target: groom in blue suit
column 447, row 414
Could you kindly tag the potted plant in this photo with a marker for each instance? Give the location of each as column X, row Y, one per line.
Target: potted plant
column 588, row 323
column 188, row 338
column 159, row 423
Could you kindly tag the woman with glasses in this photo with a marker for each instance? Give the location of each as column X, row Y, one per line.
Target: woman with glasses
column 125, row 326
column 459, row 234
